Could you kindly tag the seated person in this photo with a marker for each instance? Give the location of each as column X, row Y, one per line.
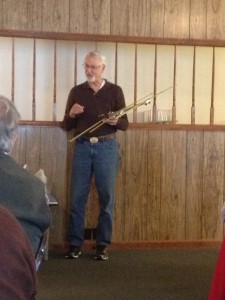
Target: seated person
column 217, row 287
column 22, row 193
column 17, row 267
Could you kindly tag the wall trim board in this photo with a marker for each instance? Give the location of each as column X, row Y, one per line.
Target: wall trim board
column 110, row 38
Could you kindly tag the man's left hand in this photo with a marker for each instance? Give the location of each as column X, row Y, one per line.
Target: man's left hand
column 112, row 121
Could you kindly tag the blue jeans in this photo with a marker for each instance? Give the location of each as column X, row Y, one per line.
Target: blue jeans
column 101, row 160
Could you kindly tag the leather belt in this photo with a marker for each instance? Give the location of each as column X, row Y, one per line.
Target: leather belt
column 96, row 139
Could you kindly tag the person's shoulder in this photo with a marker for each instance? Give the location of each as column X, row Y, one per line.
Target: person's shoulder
column 82, row 85
column 11, row 169
column 112, row 85
column 79, row 88
column 7, row 162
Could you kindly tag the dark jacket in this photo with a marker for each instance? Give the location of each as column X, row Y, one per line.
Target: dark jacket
column 24, row 196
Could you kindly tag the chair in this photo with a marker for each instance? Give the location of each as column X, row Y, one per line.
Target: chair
column 42, row 249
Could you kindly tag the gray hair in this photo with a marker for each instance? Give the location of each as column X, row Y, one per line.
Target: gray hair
column 97, row 55
column 9, row 118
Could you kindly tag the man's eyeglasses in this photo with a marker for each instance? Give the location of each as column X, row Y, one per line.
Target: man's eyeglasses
column 92, row 67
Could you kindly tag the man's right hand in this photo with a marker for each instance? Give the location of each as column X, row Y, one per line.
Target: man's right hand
column 76, row 109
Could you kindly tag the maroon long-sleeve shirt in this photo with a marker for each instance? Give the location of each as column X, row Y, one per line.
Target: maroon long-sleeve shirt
column 97, row 105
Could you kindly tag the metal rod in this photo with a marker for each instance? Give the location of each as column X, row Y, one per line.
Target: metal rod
column 104, row 120
column 212, row 90
column 193, row 89
column 34, row 83
column 174, row 83
column 118, row 114
column 87, row 130
column 13, row 70
column 154, row 109
column 54, row 80
column 135, row 84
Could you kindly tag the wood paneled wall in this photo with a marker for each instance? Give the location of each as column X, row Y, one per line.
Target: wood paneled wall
column 156, row 18
column 45, row 147
column 170, row 185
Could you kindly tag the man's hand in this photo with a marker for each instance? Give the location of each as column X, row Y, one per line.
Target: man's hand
column 112, row 121
column 76, row 109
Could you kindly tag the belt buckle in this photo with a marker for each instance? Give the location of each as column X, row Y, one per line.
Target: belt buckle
column 93, row 140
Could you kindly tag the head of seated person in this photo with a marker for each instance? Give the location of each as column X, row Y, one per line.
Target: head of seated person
column 9, row 118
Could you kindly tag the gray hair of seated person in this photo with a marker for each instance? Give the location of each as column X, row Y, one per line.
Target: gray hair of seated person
column 9, row 118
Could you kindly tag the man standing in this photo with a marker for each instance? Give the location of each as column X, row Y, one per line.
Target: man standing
column 95, row 153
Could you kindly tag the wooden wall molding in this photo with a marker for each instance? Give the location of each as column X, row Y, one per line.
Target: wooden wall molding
column 111, row 38
column 151, row 126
